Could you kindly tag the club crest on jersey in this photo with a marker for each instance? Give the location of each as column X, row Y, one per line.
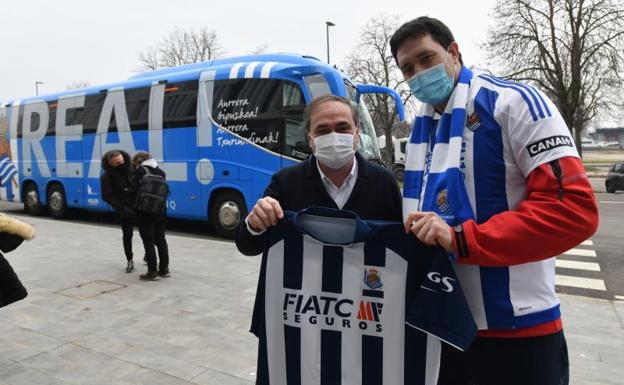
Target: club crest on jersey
column 443, row 204
column 473, row 121
column 372, row 278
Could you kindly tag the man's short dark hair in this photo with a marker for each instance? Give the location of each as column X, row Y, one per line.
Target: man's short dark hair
column 418, row 28
column 112, row 154
column 328, row 98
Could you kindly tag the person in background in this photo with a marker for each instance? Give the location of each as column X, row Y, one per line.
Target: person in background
column 118, row 191
column 151, row 220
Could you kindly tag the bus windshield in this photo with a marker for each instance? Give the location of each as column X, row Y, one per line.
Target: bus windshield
column 368, row 138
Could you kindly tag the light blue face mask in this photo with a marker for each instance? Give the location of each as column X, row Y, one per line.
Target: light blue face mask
column 433, row 85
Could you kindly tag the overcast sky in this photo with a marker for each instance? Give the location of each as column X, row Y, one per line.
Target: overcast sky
column 67, row 41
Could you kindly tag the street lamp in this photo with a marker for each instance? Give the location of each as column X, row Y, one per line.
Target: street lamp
column 37, row 87
column 328, row 24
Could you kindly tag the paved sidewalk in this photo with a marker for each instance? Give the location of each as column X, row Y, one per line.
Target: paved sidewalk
column 87, row 322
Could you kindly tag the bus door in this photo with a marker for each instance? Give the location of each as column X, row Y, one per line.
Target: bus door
column 206, row 152
column 69, row 148
column 295, row 144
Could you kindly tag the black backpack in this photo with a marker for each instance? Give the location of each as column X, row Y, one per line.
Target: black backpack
column 152, row 193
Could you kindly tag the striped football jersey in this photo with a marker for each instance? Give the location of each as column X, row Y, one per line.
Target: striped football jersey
column 346, row 301
column 511, row 129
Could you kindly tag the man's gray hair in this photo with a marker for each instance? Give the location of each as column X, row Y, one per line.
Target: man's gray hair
column 329, row 98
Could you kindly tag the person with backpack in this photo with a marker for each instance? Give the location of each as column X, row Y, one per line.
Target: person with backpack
column 118, row 191
column 151, row 204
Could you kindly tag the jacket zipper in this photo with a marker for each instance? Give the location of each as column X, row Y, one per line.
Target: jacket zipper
column 556, row 167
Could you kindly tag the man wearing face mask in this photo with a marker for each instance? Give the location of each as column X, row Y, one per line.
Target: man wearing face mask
column 492, row 175
column 336, row 176
column 117, row 190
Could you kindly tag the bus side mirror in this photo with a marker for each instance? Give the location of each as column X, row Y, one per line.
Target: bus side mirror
column 373, row 89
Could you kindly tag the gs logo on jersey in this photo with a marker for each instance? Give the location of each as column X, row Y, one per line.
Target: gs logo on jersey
column 372, row 278
column 442, row 282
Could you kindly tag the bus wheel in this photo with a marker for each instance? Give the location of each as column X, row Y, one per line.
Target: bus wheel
column 57, row 204
column 227, row 211
column 32, row 202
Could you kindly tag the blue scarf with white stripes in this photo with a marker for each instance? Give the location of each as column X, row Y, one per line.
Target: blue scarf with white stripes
column 433, row 171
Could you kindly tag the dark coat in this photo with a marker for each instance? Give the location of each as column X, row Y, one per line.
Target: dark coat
column 375, row 195
column 117, row 185
column 139, row 173
column 11, row 288
column 12, row 235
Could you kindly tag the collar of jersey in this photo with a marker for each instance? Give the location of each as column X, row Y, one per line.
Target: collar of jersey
column 329, row 226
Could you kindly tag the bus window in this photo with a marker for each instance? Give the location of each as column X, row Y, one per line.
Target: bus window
column 74, row 116
column 35, row 117
column 293, row 96
column 4, row 122
column 317, row 84
column 295, row 143
column 5, row 150
column 52, row 118
column 251, row 109
column 91, row 112
column 137, row 106
column 180, row 105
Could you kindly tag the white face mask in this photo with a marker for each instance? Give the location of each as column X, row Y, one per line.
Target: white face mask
column 334, row 150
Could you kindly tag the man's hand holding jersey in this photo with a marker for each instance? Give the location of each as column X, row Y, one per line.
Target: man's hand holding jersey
column 430, row 229
column 266, row 212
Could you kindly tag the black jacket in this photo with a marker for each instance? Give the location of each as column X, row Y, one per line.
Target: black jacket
column 12, row 234
column 117, row 184
column 375, row 195
column 139, row 173
column 11, row 288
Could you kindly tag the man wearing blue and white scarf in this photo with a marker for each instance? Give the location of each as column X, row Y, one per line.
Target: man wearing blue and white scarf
column 493, row 176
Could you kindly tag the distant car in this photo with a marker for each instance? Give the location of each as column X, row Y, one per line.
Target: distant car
column 588, row 143
column 615, row 178
column 612, row 144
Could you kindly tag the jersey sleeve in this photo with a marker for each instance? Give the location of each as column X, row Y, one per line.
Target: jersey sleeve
column 558, row 213
column 439, row 307
column 535, row 129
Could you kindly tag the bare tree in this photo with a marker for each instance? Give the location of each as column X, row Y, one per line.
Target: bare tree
column 149, row 59
column 371, row 62
column 572, row 49
column 77, row 85
column 181, row 47
column 261, row 49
